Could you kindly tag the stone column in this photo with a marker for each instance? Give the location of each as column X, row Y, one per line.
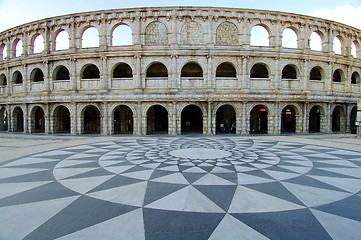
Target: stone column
column 305, row 118
column 210, row 131
column 104, row 119
column 27, row 119
column 244, row 127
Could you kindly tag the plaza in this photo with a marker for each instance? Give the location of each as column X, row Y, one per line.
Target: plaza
column 180, row 187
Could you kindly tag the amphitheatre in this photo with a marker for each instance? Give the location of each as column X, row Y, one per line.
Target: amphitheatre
column 178, row 70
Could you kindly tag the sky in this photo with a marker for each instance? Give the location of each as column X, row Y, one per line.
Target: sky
column 17, row 12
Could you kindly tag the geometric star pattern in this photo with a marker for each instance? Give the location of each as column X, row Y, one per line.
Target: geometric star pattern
column 183, row 188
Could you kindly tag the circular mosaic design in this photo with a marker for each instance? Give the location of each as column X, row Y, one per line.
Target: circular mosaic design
column 203, row 185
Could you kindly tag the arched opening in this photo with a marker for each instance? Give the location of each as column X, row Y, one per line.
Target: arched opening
column 355, row 78
column 123, row 120
column 62, row 121
column 338, row 119
column 315, row 74
column 338, row 76
column 122, row 35
column 259, row 120
column 18, row 120
column 38, row 44
column 259, row 36
column 3, row 80
column 192, row 69
column 226, row 70
column 353, row 50
column 91, row 72
column 226, row 119
column 288, row 120
column 61, row 73
column 37, row 75
column 4, row 52
column 62, row 41
column 315, row 41
column 192, row 119
column 157, row 120
column 18, row 49
column 91, row 120
column 353, row 127
column 289, row 38
column 289, row 72
column 157, row 70
column 337, row 46
column 122, row 70
column 90, row 38
column 38, row 120
column 17, row 77
column 3, row 119
column 259, row 71
column 314, row 120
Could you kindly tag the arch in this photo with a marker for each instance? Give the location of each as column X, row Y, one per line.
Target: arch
column 289, row 72
column 18, row 48
column 18, row 120
column 90, row 38
column 315, row 119
column 289, row 38
column 226, row 70
column 316, row 73
column 123, row 120
column 122, row 70
column 90, row 71
column 227, row 34
column 156, row 33
column 337, row 45
column 122, row 35
column 192, row 69
column 17, row 77
column 259, row 70
column 192, row 33
column 157, row 120
column 192, row 119
column 338, row 119
column 62, row 120
column 288, row 119
column 37, row 75
column 260, row 36
column 3, row 119
column 157, row 70
column 259, row 120
column 4, row 52
column 354, row 49
column 38, row 44
column 353, row 127
column 37, row 119
column 226, row 119
column 355, row 78
column 61, row 40
column 61, row 73
column 91, row 120
column 315, row 41
column 3, row 80
column 338, row 76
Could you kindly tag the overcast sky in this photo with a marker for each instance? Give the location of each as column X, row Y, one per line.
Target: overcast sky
column 17, row 12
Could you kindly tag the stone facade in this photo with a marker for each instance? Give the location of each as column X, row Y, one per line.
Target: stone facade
column 188, row 69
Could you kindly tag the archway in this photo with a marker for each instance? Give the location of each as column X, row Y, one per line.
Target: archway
column 157, row 120
column 38, row 120
column 226, row 119
column 123, row 120
column 259, row 120
column 338, row 119
column 18, row 120
column 192, row 119
column 62, row 120
column 91, row 116
column 3, row 119
column 288, row 120
column 353, row 128
column 314, row 124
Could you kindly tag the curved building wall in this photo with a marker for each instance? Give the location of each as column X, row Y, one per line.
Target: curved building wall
column 179, row 70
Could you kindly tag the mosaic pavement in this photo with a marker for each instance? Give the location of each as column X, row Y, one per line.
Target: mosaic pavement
column 183, row 188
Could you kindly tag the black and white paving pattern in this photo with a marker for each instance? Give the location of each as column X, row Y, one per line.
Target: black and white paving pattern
column 183, row 188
